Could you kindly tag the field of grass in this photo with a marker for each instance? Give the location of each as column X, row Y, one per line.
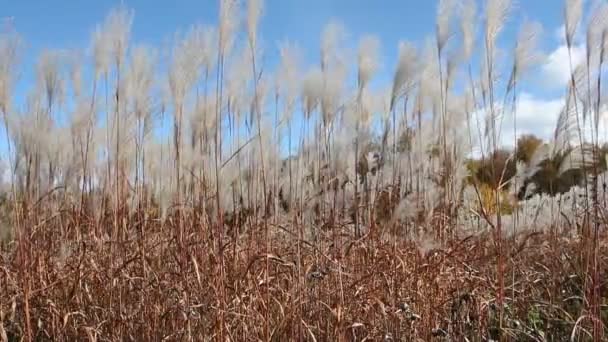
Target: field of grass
column 202, row 195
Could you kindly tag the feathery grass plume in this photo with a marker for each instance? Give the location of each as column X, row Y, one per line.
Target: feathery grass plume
column 81, row 117
column 405, row 73
column 497, row 12
column 598, row 23
column 82, row 120
column 237, row 85
column 597, row 42
column 74, row 60
column 542, row 153
column 139, row 84
column 312, row 86
column 207, row 37
column 288, row 78
column 452, row 64
column 10, row 45
column 125, row 119
column 51, row 87
column 332, row 38
column 368, row 107
column 184, row 69
column 49, row 77
column 140, row 80
column 64, row 168
column 161, row 174
column 526, row 54
column 428, row 85
column 118, row 29
column 333, row 70
column 202, row 119
column 333, row 81
column 443, row 30
column 496, row 16
column 369, row 49
column 100, row 49
column 525, row 57
column 260, row 96
column 381, row 100
column 228, row 25
column 573, row 12
column 468, row 13
column 111, row 42
column 254, row 12
column 202, row 41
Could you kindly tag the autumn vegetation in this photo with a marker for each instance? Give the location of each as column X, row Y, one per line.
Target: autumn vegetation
column 197, row 191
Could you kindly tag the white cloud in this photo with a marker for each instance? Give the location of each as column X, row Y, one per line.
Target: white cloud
column 556, row 70
column 535, row 115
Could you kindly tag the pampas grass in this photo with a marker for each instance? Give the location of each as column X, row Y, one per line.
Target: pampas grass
column 368, row 55
column 299, row 201
column 573, row 12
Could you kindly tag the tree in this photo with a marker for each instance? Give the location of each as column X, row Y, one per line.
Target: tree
column 498, row 168
column 526, row 146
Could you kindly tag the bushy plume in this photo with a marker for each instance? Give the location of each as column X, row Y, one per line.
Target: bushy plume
column 140, row 80
column 468, row 12
column 208, row 37
column 369, row 49
column 100, row 49
column 60, row 154
column 596, row 31
column 202, row 45
column 82, row 116
column 368, row 106
column 49, row 76
column 228, row 24
column 117, row 32
column 184, row 69
column 312, row 86
column 75, row 61
column 526, row 54
column 237, row 83
column 10, row 44
column 259, row 98
column 444, row 30
column 332, row 38
column 254, row 12
column 382, row 102
column 202, row 118
column 573, row 11
column 542, row 153
column 288, row 78
column 407, row 65
column 451, row 70
column 429, row 87
column 497, row 12
column 332, row 91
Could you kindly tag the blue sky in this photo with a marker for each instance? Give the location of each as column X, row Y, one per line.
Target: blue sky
column 69, row 23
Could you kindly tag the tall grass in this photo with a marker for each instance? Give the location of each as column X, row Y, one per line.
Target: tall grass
column 303, row 204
